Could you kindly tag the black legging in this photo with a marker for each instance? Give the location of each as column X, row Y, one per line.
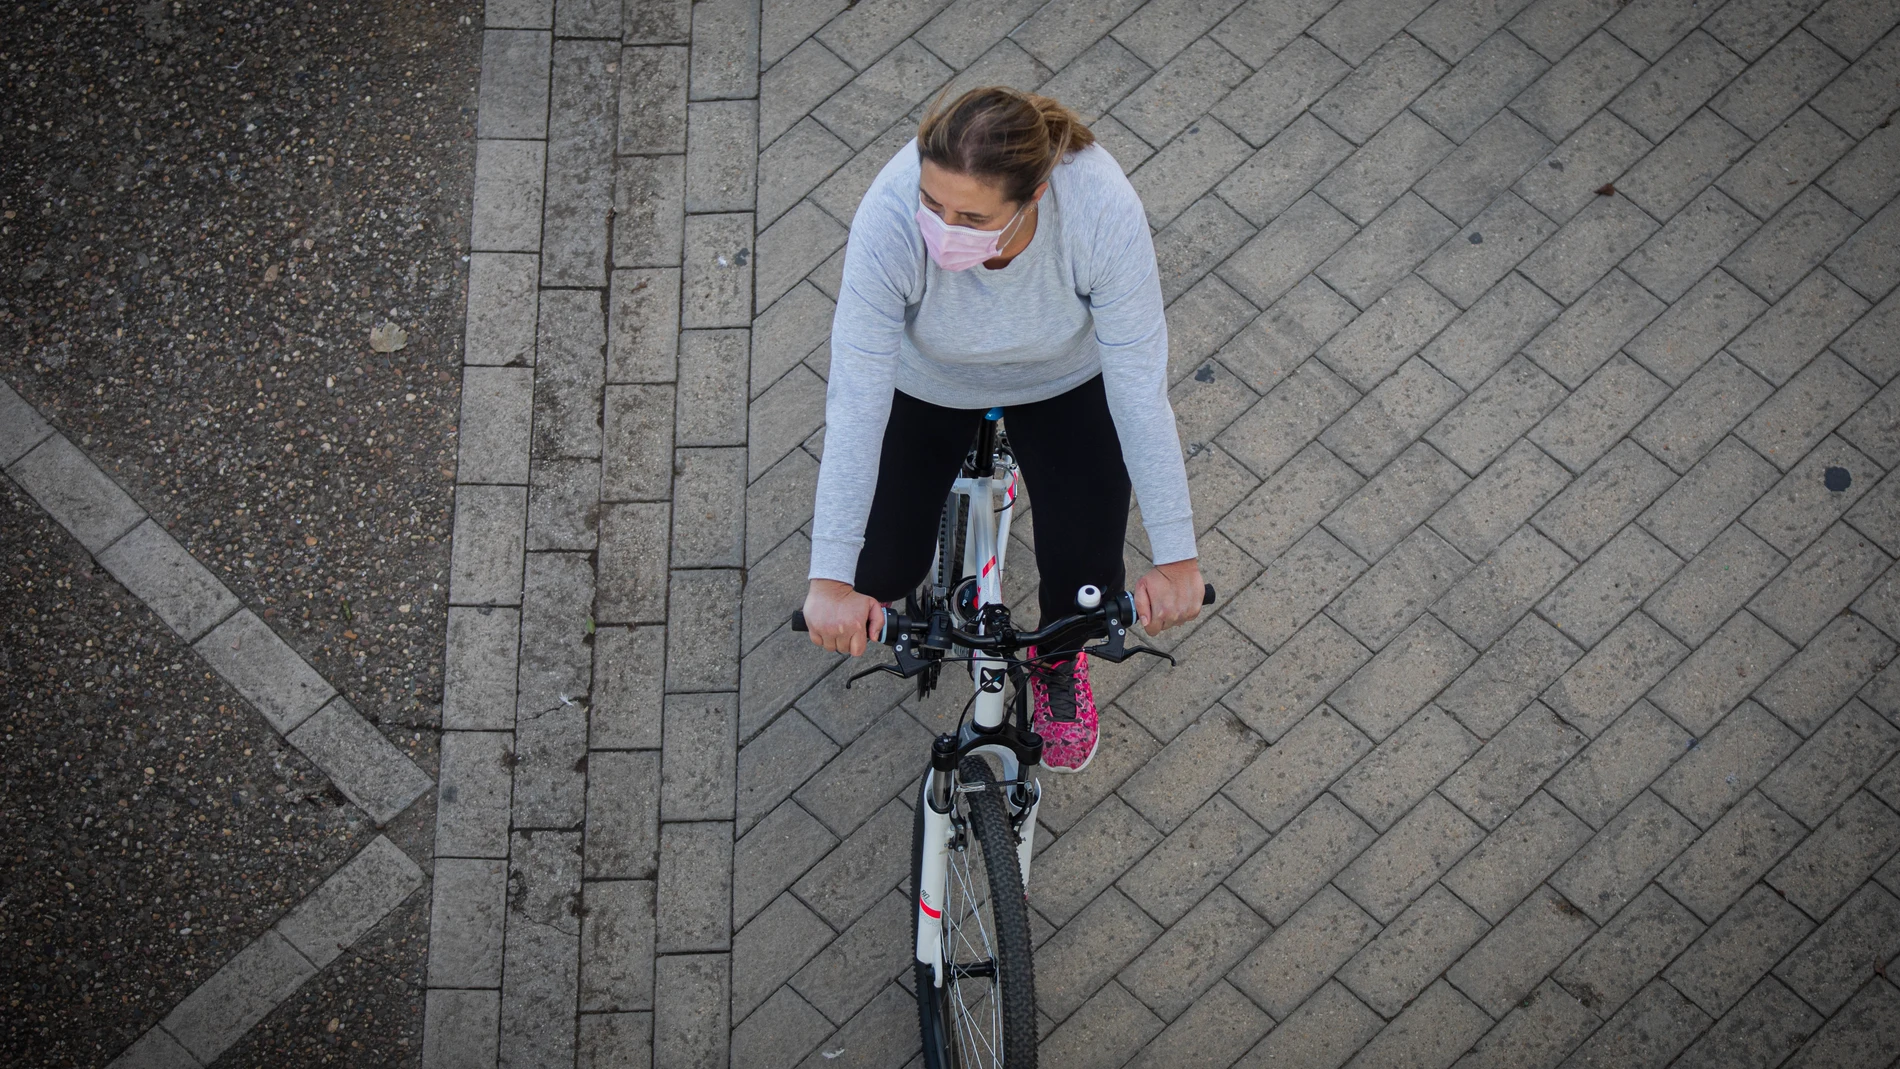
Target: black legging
column 1071, row 462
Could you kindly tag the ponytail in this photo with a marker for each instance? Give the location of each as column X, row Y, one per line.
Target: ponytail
column 1012, row 138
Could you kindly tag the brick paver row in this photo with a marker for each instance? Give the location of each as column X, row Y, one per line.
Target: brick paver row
column 1535, row 363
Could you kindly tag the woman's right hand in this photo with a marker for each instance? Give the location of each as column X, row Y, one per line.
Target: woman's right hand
column 840, row 619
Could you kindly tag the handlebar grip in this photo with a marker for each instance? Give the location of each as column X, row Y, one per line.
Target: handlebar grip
column 798, row 618
column 1207, row 595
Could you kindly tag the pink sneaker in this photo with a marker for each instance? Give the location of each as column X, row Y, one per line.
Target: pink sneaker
column 1064, row 712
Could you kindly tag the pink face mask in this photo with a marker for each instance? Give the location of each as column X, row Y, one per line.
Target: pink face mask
column 959, row 248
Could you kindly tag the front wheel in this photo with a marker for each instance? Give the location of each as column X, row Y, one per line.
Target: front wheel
column 983, row 1016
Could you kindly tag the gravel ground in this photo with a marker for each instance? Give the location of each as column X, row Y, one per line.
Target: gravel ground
column 155, row 823
column 204, row 211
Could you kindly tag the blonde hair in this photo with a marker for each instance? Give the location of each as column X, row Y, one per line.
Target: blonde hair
column 1012, row 138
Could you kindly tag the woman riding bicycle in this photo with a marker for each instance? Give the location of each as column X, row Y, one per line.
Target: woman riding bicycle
column 1001, row 259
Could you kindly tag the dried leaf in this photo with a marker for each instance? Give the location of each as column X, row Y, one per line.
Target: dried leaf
column 387, row 337
column 1606, row 190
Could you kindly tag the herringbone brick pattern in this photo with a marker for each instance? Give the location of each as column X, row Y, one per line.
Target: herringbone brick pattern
column 1536, row 364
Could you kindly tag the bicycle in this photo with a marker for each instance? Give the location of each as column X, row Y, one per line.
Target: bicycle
column 975, row 978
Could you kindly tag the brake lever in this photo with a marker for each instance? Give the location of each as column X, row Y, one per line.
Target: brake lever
column 908, row 665
column 1117, row 652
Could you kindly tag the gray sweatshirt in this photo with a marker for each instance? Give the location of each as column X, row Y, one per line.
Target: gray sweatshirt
column 1084, row 299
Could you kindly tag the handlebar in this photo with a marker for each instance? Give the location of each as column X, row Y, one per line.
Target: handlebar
column 1124, row 602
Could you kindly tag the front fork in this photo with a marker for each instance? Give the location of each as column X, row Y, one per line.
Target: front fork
column 941, row 836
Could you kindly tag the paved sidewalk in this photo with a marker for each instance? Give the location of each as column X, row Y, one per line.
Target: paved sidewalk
column 1535, row 363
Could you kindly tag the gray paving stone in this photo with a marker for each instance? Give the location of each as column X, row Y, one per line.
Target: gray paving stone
column 721, row 156
column 1699, row 508
column 848, row 973
column 1738, row 950
column 237, row 996
column 767, row 952
column 1859, row 1034
column 1678, row 84
column 1308, row 851
column 1866, row 178
column 1684, row 164
column 1186, row 168
column 614, row 1039
column 642, row 329
column 617, row 945
column 1492, row 244
column 1280, row 425
column 1191, row 956
column 541, row 964
column 1283, row 252
column 1258, row 29
column 1187, row 771
column 1085, row 955
column 1323, row 1032
column 870, row 770
column 772, row 855
column 1112, row 1020
column 1732, row 855
column 1480, row 85
column 715, row 281
column 1695, row 327
column 1582, row 339
column 1619, row 763
column 1508, row 963
column 1393, row 328
column 708, row 513
column 1632, row 849
column 1167, row 102
column 1786, row 160
column 1391, row 417
column 1483, row 166
column 1701, row 412
column 1303, row 952
column 797, row 84
column 1276, row 342
column 725, row 60
column 249, row 656
column 1721, row 672
column 1844, row 851
column 792, row 247
column 497, row 409
column 1872, row 428
column 693, row 897
column 1517, row 856
column 691, row 1010
column 1478, row 518
column 1546, row 1025
column 1385, row 510
column 700, row 646
column 156, row 1049
column 1633, row 947
column 1869, row 345
column 794, row 164
column 1583, row 81
column 861, row 35
column 1866, row 261
column 1091, row 84
column 1391, row 78
column 1726, row 763
column 508, row 188
column 649, row 194
column 1289, row 775
column 652, row 111
column 1832, row 763
column 1394, row 243
column 1501, row 775
column 697, row 768
column 1783, row 341
column 1876, row 516
column 360, row 762
column 465, row 922
column 1806, row 410
column 1276, row 95
column 1820, row 583
column 1800, row 507
column 472, row 801
column 1487, row 602
column 1567, row 180
column 632, row 561
column 514, row 84
column 1191, row 860
column 1777, row 83
column 1652, row 28
column 502, row 309
column 486, row 562
column 1221, row 1025
column 1751, row 27
column 168, row 579
column 1202, row 237
column 1057, row 34
column 1405, row 767
column 1414, row 948
column 1597, row 596
column 350, row 902
column 1763, row 1028
column 569, row 371
column 1515, row 670
column 564, row 502
column 1692, row 243
column 1489, row 420
column 1554, row 27
column 1388, row 162
column 1833, row 962
column 778, row 1033
column 623, row 810
column 870, row 861
column 461, row 1028
column 1126, row 149
column 1420, row 848
column 1211, row 314
column 1851, row 26
column 1651, row 1029
column 580, row 131
column 1792, row 243
column 84, row 499
column 1386, row 599
column 1593, row 241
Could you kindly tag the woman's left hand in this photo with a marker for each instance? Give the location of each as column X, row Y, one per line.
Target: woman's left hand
column 1169, row 596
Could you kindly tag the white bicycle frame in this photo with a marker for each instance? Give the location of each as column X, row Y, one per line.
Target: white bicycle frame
column 985, row 545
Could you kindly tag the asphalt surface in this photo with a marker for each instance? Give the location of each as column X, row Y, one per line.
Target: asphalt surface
column 204, row 211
